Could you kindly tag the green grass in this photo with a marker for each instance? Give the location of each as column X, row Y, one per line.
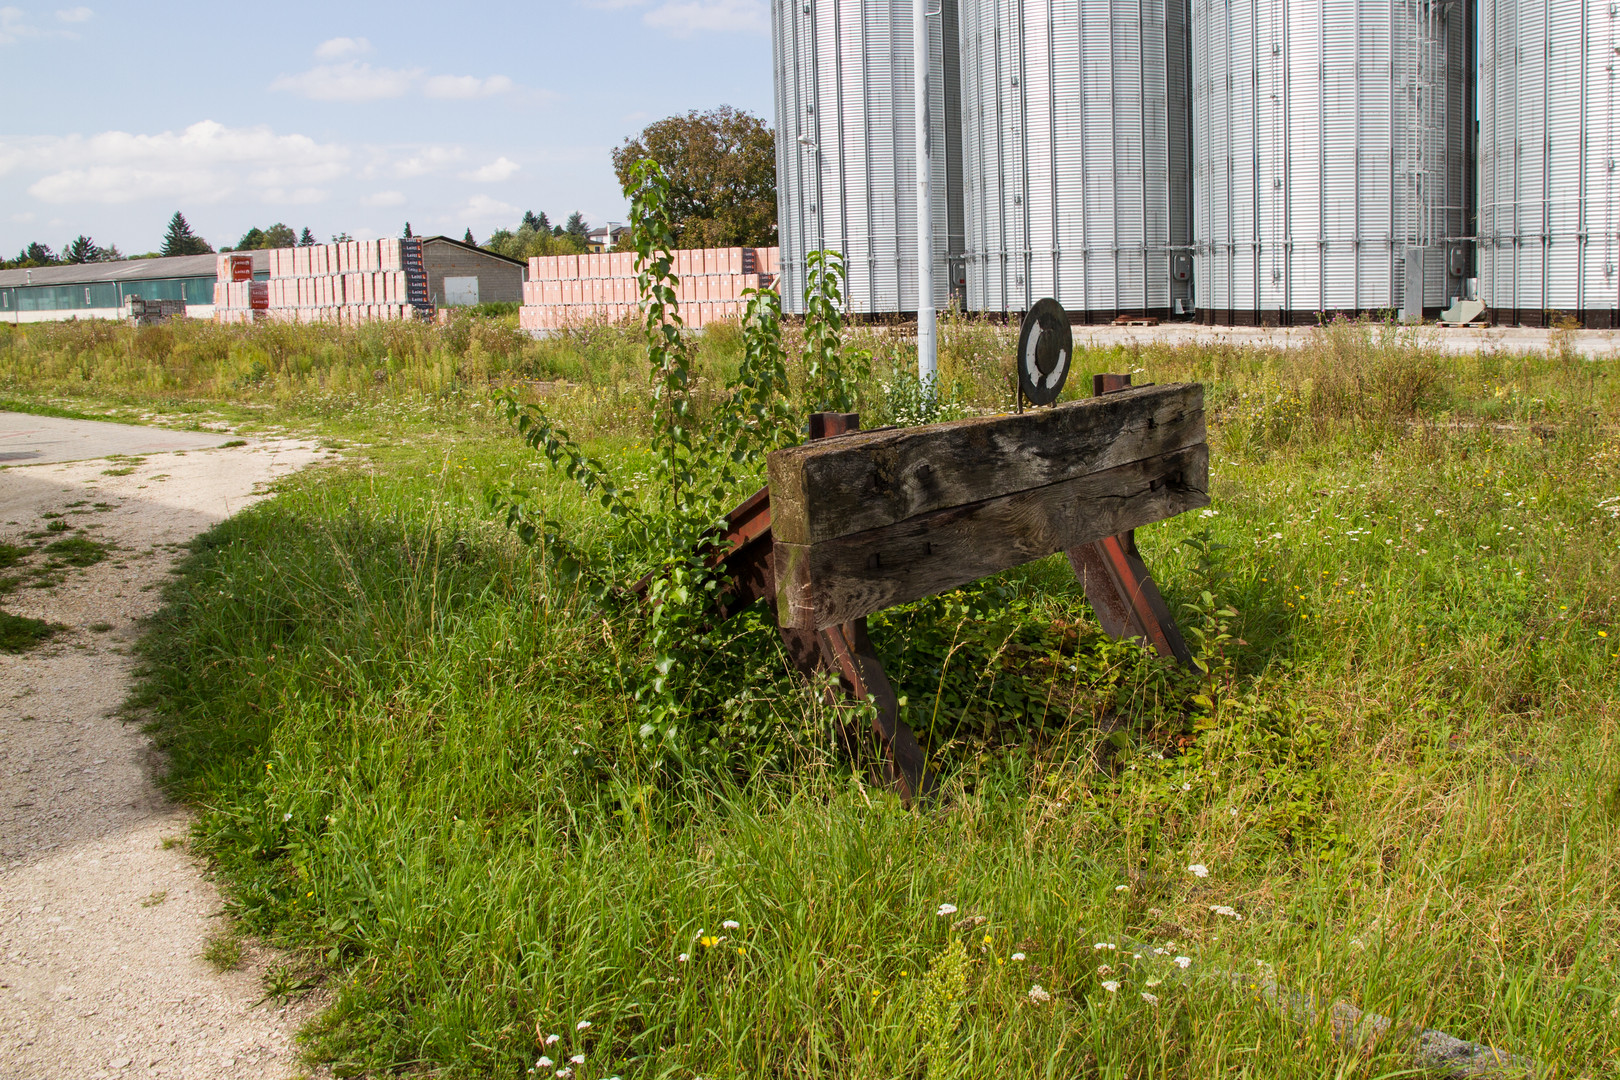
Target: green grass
column 18, row 633
column 415, row 759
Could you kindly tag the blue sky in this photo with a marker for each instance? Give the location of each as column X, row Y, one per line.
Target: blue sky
column 350, row 117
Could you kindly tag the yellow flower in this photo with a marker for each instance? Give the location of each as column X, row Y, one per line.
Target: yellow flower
column 708, row 941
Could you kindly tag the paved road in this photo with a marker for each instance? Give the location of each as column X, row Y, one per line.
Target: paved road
column 40, row 440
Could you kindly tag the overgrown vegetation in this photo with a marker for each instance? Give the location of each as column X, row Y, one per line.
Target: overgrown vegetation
column 417, row 755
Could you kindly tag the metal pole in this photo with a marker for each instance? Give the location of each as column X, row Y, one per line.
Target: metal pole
column 927, row 342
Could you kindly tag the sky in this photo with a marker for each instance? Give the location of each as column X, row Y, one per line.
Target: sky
column 347, row 117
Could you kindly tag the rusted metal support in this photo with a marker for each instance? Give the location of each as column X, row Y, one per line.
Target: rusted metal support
column 1117, row 583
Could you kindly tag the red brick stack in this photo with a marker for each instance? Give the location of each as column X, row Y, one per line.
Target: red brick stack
column 347, row 283
column 566, row 290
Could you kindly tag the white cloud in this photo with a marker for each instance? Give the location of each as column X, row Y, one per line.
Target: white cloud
column 427, row 159
column 349, row 81
column 462, row 87
column 339, row 47
column 14, row 26
column 207, row 162
column 683, row 18
column 75, row 15
column 484, row 208
column 502, row 168
column 384, row 198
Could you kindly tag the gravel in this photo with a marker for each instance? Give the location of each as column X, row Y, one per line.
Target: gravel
column 103, row 914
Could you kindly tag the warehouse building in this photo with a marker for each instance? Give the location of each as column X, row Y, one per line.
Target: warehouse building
column 98, row 290
column 461, row 275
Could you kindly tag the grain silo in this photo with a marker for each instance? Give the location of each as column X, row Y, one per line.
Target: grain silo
column 846, row 148
column 1076, row 145
column 1548, row 146
column 1329, row 157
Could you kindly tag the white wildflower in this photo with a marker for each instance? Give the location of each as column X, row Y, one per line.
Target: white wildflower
column 1122, row 888
column 1038, row 995
column 1111, row 986
column 582, row 1025
column 543, row 1062
column 577, row 1059
column 551, row 1040
column 731, row 924
column 564, row 1073
column 1183, row 962
column 1104, row 945
column 946, row 909
column 1222, row 909
column 1151, row 999
column 683, row 958
column 1104, row 969
column 1018, row 956
column 1198, row 869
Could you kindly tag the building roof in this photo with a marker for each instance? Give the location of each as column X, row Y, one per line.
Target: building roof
column 473, row 248
column 179, row 266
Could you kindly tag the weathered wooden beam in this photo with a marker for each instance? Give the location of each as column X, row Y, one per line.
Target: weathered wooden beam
column 831, row 488
column 826, row 583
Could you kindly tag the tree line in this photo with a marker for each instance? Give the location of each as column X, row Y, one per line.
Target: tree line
column 720, row 164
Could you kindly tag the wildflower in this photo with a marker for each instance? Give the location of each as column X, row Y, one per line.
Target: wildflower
column 1222, row 909
column 731, row 924
column 1186, row 787
column 1104, row 945
column 1154, row 982
column 1151, row 999
column 1018, row 956
column 1104, row 969
column 543, row 1062
column 708, row 941
column 577, row 1059
column 564, row 1073
column 1183, row 962
column 1038, row 995
column 551, row 1040
column 683, row 958
column 987, row 939
column 582, row 1025
column 1198, row 869
column 1111, row 986
column 1122, row 888
column 946, row 909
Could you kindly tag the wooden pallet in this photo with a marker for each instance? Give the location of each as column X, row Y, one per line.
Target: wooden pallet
column 1136, row 320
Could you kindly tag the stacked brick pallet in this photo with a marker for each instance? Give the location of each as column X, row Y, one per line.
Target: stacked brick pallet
column 347, row 283
column 237, row 297
column 567, row 290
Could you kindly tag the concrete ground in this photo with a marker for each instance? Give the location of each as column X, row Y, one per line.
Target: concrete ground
column 1593, row 344
column 40, row 440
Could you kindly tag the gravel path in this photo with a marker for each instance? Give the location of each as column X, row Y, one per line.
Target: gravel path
column 103, row 915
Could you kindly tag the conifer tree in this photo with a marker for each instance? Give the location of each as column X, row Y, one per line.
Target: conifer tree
column 180, row 240
column 407, row 230
column 82, row 250
column 468, row 239
column 307, row 238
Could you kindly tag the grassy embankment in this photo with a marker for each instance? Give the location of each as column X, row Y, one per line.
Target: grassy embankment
column 415, row 760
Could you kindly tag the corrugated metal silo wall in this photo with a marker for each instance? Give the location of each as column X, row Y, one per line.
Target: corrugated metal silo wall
column 1076, row 155
column 846, row 148
column 1328, row 150
column 1548, row 219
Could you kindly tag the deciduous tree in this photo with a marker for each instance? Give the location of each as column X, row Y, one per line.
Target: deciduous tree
column 721, row 166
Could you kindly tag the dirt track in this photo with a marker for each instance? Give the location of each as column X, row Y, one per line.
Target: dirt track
column 103, row 915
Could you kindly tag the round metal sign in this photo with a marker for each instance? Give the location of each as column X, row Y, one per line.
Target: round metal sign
column 1045, row 347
